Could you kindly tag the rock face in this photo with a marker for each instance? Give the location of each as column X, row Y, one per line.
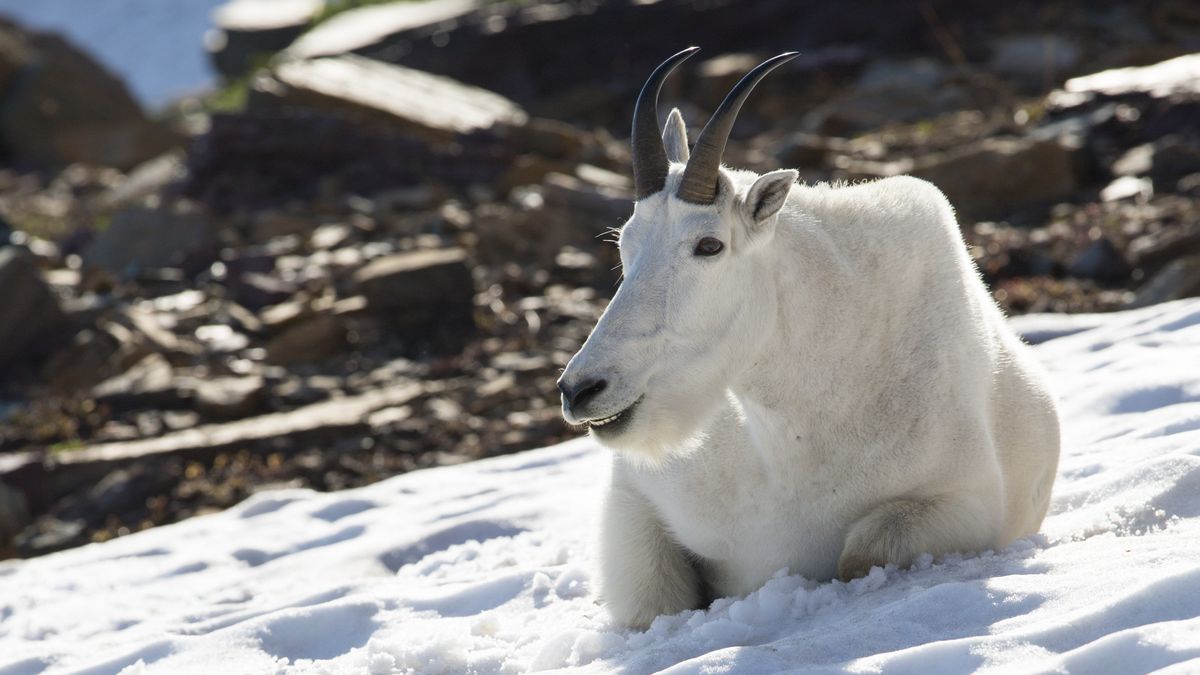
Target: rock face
column 29, row 314
column 60, row 106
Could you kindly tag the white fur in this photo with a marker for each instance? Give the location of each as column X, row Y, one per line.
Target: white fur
column 835, row 390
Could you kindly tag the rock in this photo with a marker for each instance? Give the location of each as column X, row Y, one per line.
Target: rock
column 334, row 417
column 330, row 236
column 246, row 32
column 991, row 178
column 1137, row 161
column 229, row 397
column 429, row 106
column 141, row 239
column 717, row 75
column 271, row 223
column 306, row 340
column 1180, row 75
column 356, row 29
column 918, row 75
column 891, row 92
column 803, row 150
column 31, row 320
column 89, row 358
column 61, row 107
column 149, row 383
column 1179, row 279
column 1101, row 261
column 148, row 179
column 254, row 291
column 417, row 286
column 1127, row 187
column 1037, row 62
column 608, row 203
column 14, row 515
column 274, row 158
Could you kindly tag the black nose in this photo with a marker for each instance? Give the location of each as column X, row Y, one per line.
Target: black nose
column 580, row 394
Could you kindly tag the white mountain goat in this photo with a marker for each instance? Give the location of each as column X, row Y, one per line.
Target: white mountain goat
column 801, row 377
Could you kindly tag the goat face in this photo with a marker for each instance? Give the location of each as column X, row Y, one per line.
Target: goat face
column 697, row 302
column 698, row 297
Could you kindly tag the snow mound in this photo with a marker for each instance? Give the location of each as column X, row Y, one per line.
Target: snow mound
column 486, row 567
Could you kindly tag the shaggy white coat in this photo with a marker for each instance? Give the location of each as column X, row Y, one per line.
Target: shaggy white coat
column 835, row 390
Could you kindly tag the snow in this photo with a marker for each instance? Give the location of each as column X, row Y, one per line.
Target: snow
column 487, row 567
column 156, row 46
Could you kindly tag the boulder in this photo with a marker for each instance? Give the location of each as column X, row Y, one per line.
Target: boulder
column 1035, row 61
column 246, row 32
column 149, row 383
column 429, row 106
column 30, row 316
column 992, row 178
column 1180, row 75
column 139, row 239
column 307, row 340
column 230, row 397
column 417, row 286
column 61, row 107
column 368, row 26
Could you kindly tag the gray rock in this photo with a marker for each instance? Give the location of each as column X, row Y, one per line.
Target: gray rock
column 149, row 383
column 146, row 179
column 230, row 397
column 89, row 358
column 361, row 28
column 307, row 340
column 61, row 107
column 414, row 286
column 1180, row 75
column 991, row 178
column 1179, row 279
column 30, row 316
column 141, row 239
column 247, row 31
column 430, row 106
column 1035, row 61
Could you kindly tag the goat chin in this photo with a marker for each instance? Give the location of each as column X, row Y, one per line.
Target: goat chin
column 659, row 432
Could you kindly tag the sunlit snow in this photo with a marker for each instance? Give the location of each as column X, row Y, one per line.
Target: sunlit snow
column 487, row 567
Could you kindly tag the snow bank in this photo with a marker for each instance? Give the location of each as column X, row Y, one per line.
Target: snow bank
column 486, row 567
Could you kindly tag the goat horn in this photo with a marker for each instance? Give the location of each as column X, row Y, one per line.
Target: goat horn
column 699, row 183
column 649, row 157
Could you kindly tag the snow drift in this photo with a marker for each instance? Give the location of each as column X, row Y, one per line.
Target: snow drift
column 486, row 567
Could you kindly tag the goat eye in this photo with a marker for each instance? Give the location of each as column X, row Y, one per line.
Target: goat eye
column 709, row 246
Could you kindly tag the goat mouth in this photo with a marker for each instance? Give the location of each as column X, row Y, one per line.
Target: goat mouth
column 613, row 424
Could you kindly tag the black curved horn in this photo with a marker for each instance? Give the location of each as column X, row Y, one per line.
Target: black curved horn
column 699, row 183
column 649, row 157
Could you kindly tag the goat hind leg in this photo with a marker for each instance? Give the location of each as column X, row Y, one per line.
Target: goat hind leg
column 899, row 530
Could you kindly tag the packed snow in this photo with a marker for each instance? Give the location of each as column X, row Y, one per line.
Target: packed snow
column 487, row 567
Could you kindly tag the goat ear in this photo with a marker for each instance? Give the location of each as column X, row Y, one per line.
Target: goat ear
column 768, row 195
column 675, row 138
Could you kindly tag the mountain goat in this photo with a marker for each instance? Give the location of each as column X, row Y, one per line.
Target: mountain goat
column 793, row 376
